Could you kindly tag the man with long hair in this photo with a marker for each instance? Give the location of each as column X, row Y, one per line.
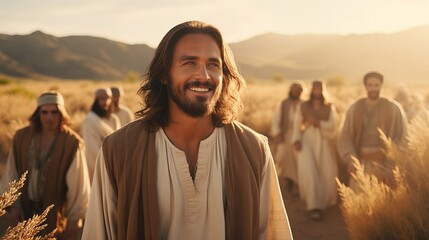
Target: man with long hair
column 317, row 167
column 284, row 127
column 360, row 136
column 99, row 123
column 186, row 169
column 53, row 155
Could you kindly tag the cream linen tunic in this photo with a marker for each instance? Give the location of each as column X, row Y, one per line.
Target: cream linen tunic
column 94, row 129
column 125, row 115
column 188, row 209
column 76, row 178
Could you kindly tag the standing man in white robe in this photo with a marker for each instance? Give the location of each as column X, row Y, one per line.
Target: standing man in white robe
column 187, row 169
column 124, row 114
column 284, row 127
column 99, row 123
column 317, row 165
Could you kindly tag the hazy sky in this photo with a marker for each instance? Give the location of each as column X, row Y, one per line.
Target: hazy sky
column 144, row 21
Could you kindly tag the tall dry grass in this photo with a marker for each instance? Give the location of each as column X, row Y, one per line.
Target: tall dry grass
column 18, row 101
column 28, row 229
column 380, row 212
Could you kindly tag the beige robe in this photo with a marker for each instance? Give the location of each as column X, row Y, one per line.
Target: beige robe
column 286, row 156
column 124, row 114
column 317, row 166
column 94, row 129
column 187, row 209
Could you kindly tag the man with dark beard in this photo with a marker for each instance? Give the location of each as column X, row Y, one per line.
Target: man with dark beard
column 284, row 128
column 360, row 136
column 99, row 123
column 317, row 167
column 186, row 169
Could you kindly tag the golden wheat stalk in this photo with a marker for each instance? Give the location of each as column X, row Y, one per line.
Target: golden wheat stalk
column 30, row 228
column 10, row 196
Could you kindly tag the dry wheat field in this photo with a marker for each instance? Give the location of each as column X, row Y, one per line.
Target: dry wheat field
column 367, row 216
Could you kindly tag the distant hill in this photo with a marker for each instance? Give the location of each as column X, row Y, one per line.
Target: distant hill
column 401, row 56
column 75, row 57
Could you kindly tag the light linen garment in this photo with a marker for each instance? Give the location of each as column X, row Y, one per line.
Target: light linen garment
column 94, row 130
column 76, row 178
column 124, row 114
column 188, row 209
column 317, row 165
column 286, row 157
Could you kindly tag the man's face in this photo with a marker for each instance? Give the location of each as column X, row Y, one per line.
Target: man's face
column 295, row 92
column 115, row 100
column 104, row 101
column 195, row 81
column 373, row 87
column 317, row 91
column 50, row 117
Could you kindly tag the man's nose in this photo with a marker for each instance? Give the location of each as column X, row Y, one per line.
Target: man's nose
column 203, row 73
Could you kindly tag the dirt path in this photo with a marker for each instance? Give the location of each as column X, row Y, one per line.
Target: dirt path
column 332, row 227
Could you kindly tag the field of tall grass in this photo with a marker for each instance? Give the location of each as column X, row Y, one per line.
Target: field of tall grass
column 368, row 215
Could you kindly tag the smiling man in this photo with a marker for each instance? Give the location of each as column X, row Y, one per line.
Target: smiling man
column 53, row 155
column 186, row 169
column 360, row 137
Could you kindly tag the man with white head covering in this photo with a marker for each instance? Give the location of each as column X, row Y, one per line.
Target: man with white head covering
column 53, row 155
column 124, row 114
column 99, row 123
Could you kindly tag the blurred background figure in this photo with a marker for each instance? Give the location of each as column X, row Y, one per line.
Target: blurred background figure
column 412, row 103
column 124, row 114
column 360, row 137
column 53, row 154
column 99, row 123
column 317, row 165
column 284, row 124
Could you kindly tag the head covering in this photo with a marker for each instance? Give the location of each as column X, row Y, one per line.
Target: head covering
column 117, row 91
column 50, row 97
column 318, row 83
column 53, row 97
column 102, row 92
column 298, row 84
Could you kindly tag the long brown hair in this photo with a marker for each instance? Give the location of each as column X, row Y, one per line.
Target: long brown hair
column 155, row 95
column 35, row 121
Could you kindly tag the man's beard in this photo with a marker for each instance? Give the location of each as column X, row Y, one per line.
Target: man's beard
column 196, row 108
column 100, row 111
column 294, row 97
column 373, row 94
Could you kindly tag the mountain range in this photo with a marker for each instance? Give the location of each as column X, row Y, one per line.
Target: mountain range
column 401, row 56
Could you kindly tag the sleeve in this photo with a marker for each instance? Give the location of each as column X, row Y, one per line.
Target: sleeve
column 92, row 144
column 400, row 128
column 275, row 125
column 274, row 223
column 101, row 217
column 79, row 187
column 9, row 174
column 345, row 143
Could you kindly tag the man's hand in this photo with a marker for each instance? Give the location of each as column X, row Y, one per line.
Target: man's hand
column 73, row 230
column 314, row 121
column 297, row 145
